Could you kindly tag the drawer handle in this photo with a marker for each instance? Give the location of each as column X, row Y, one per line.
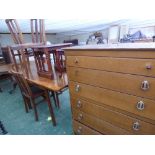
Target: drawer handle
column 136, row 126
column 79, row 130
column 80, row 117
column 140, row 105
column 76, row 61
column 79, row 104
column 77, row 88
column 145, row 85
column 148, row 67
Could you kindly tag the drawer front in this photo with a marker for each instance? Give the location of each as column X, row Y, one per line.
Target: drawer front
column 123, row 65
column 127, row 83
column 98, row 124
column 130, row 124
column 137, row 105
column 81, row 129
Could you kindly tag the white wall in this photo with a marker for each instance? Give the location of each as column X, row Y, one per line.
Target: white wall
column 5, row 39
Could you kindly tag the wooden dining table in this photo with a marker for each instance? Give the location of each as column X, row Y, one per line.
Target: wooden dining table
column 57, row 83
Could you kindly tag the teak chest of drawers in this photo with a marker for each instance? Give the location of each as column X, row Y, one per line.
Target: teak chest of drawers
column 112, row 88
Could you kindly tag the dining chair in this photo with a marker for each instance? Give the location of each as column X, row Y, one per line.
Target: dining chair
column 30, row 92
column 15, row 31
column 39, row 36
column 38, row 31
column 17, row 36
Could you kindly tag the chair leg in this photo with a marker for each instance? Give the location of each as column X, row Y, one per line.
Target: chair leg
column 50, row 108
column 35, row 109
column 25, row 104
column 57, row 99
column 55, row 102
column 29, row 103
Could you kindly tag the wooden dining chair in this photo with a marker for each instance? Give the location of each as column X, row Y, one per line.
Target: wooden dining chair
column 17, row 36
column 30, row 92
column 15, row 31
column 38, row 31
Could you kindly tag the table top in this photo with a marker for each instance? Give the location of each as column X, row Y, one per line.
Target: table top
column 40, row 46
column 52, row 46
column 56, row 84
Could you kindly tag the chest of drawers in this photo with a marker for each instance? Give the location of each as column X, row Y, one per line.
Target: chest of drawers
column 112, row 88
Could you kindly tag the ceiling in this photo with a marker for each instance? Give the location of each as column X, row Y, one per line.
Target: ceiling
column 65, row 27
column 74, row 27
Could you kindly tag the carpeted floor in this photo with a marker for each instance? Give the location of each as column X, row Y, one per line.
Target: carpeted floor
column 18, row 122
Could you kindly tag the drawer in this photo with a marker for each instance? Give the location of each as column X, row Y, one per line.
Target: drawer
column 130, row 124
column 136, row 105
column 81, row 129
column 126, row 83
column 123, row 65
column 98, row 124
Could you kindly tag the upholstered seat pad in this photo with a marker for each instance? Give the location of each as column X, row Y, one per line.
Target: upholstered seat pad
column 36, row 90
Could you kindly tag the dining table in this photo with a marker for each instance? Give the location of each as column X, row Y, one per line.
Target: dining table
column 56, row 83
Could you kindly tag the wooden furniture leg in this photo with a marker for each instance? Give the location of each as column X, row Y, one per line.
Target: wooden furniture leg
column 50, row 108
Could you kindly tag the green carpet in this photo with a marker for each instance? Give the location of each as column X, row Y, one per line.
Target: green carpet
column 18, row 122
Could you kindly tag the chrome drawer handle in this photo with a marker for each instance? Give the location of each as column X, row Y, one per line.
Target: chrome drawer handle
column 77, row 88
column 79, row 104
column 140, row 105
column 80, row 117
column 76, row 61
column 79, row 130
column 145, row 85
column 136, row 126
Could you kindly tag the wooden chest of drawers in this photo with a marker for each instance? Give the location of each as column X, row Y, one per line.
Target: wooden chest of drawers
column 112, row 88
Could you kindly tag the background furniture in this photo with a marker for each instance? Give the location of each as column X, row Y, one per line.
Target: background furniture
column 6, row 55
column 112, row 88
column 4, row 64
column 2, row 128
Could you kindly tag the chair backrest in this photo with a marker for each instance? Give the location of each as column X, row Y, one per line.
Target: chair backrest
column 21, row 81
column 38, row 31
column 15, row 31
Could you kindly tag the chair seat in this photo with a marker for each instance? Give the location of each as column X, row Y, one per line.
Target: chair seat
column 35, row 90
